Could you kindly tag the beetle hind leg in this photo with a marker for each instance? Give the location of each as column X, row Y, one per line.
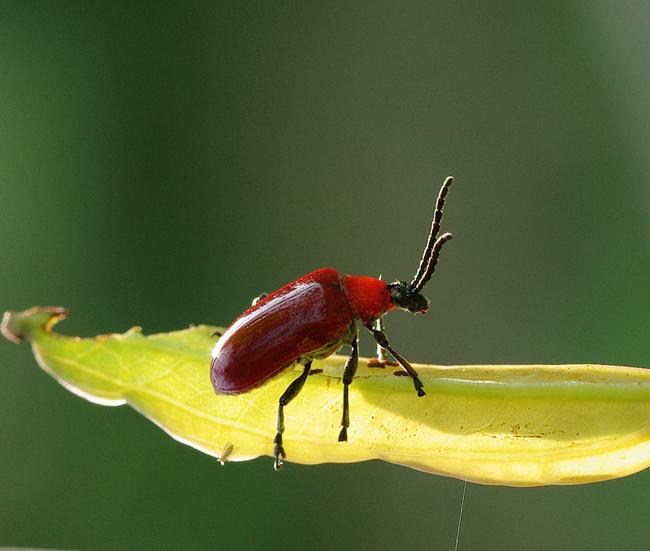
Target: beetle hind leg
column 348, row 375
column 292, row 391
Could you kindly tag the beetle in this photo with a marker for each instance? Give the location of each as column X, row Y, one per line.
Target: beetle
column 313, row 317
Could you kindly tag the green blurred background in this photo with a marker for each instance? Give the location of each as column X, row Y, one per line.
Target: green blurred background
column 162, row 163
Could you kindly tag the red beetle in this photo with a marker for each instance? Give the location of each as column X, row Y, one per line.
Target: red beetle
column 312, row 318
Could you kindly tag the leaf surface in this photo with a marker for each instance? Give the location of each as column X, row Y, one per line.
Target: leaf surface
column 524, row 425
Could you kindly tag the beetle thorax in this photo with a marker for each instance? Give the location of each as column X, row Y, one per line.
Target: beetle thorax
column 368, row 297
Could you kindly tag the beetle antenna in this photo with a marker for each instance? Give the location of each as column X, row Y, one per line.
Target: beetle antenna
column 433, row 260
column 425, row 261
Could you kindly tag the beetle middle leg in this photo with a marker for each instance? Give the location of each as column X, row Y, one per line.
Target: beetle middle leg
column 382, row 340
column 258, row 298
column 292, row 391
column 348, row 375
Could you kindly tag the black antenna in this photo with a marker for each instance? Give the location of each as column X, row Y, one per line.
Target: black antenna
column 433, row 260
column 434, row 244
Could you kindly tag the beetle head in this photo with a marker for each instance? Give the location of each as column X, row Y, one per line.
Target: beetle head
column 406, row 298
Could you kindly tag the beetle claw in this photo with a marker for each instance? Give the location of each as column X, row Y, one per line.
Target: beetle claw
column 278, row 464
column 278, row 452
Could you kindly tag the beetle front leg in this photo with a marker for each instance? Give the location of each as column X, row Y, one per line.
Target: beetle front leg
column 292, row 391
column 348, row 375
column 382, row 340
column 382, row 357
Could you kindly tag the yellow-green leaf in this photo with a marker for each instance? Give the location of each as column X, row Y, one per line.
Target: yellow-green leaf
column 520, row 425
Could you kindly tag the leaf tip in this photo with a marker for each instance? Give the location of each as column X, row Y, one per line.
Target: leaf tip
column 18, row 326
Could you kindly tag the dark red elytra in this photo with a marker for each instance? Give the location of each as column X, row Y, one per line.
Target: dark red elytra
column 311, row 318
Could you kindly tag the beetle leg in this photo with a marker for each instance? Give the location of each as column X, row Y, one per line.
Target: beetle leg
column 382, row 357
column 292, row 391
column 382, row 340
column 348, row 374
column 381, row 351
column 258, row 298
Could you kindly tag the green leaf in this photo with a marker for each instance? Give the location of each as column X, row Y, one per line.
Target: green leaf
column 521, row 425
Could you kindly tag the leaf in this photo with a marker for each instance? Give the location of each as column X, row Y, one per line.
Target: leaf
column 524, row 425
